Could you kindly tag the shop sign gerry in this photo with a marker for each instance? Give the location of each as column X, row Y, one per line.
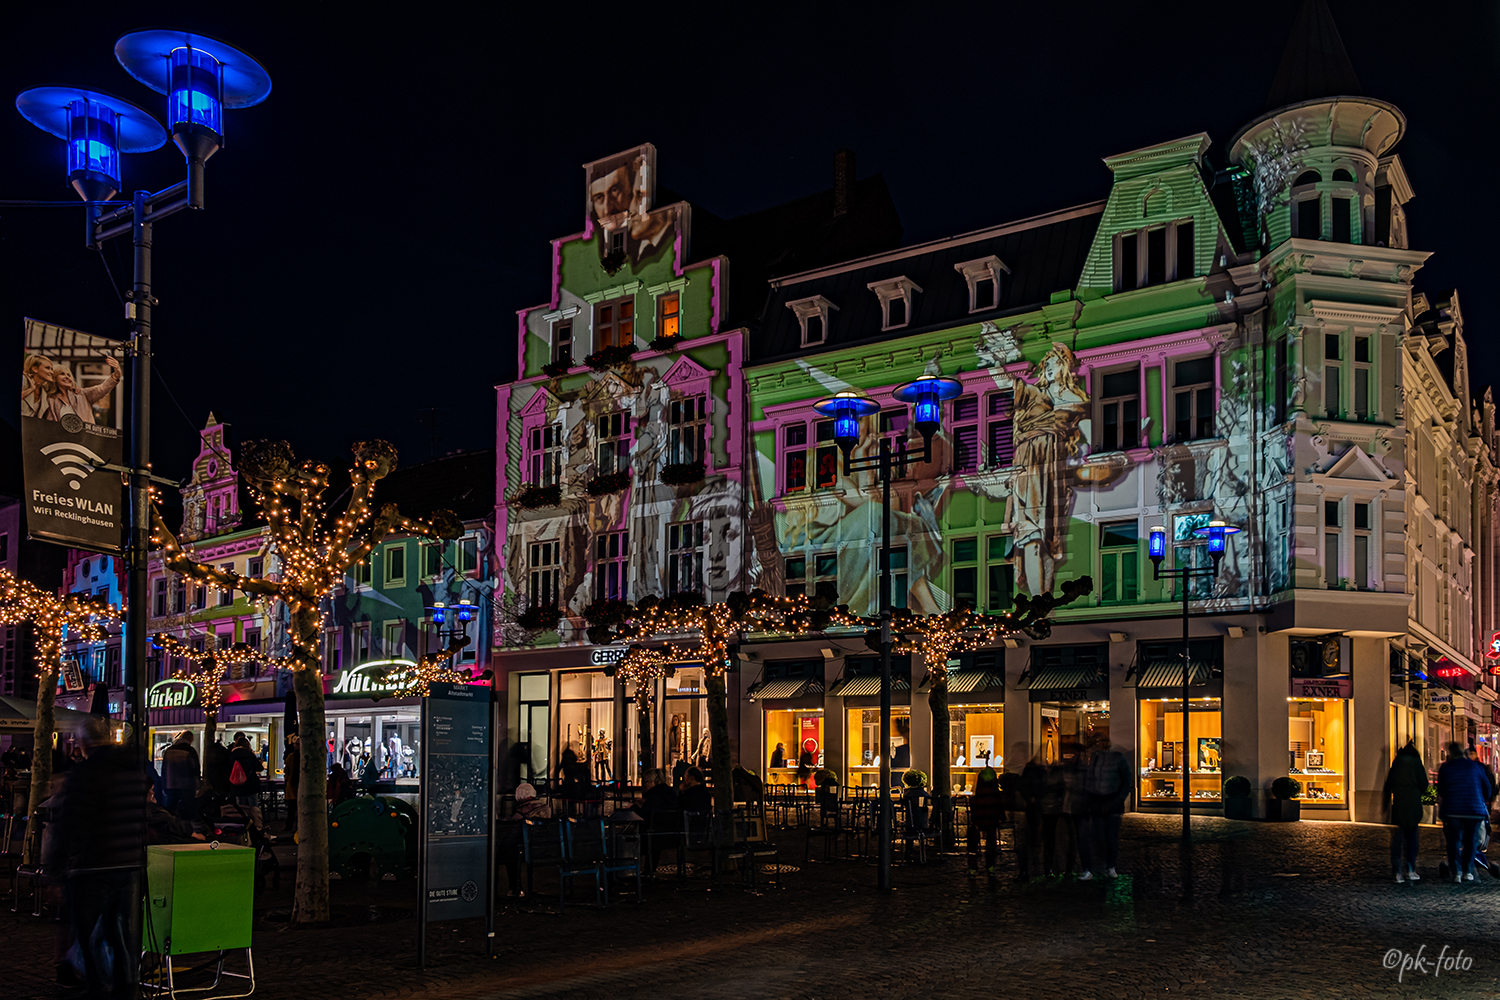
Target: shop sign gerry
column 172, row 693
column 376, row 679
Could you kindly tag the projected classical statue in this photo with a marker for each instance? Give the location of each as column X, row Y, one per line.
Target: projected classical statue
column 1047, row 435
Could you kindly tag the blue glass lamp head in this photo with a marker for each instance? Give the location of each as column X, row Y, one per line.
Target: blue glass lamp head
column 439, row 613
column 926, row 395
column 846, row 408
column 201, row 76
column 1217, row 533
column 465, row 611
column 1157, row 546
column 96, row 128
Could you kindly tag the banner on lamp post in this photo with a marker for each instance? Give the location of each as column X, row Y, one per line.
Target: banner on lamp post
column 72, row 406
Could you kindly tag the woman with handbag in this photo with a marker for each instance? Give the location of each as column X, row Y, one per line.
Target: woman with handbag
column 244, row 771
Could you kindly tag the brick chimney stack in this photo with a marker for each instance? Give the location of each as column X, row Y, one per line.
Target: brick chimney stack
column 843, row 181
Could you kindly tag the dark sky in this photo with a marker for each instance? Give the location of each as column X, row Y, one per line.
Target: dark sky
column 374, row 226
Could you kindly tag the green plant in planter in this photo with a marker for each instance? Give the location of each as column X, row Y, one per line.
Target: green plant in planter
column 666, row 344
column 914, row 778
column 1238, row 787
column 610, row 482
column 531, row 496
column 683, row 473
column 609, row 357
column 825, row 776
column 1429, row 796
column 1286, row 788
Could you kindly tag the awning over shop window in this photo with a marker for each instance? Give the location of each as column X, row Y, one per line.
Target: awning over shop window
column 967, row 682
column 1168, row 673
column 786, row 687
column 1049, row 678
column 867, row 684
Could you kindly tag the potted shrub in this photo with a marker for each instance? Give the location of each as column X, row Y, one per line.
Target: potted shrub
column 539, row 618
column 912, row 778
column 827, row 793
column 610, row 482
column 1429, row 804
column 1283, row 805
column 1237, row 797
column 531, row 496
column 683, row 473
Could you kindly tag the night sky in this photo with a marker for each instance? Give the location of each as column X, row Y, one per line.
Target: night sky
column 374, row 226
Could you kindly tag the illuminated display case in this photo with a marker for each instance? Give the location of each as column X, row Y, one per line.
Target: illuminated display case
column 1160, row 750
column 863, row 758
column 976, row 740
column 799, row 733
column 1316, row 749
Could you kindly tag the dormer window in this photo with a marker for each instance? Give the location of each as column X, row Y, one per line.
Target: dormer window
column 1307, row 206
column 1154, row 255
column 895, row 301
column 983, row 277
column 813, row 315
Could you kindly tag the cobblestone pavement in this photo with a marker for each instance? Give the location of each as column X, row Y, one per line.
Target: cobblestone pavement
column 1271, row 910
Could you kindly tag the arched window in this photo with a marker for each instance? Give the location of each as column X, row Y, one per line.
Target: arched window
column 1157, row 203
column 1309, row 177
column 1343, row 175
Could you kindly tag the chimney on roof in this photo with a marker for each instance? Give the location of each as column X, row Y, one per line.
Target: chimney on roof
column 843, row 181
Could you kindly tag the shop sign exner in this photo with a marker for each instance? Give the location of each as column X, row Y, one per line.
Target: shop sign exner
column 1322, row 687
column 172, row 693
column 377, row 677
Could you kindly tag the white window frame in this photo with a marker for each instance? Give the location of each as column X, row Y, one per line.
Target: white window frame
column 981, row 269
column 544, row 572
column 556, row 320
column 389, row 579
column 544, row 459
column 678, row 288
column 696, row 552
column 687, row 428
column 813, row 306
column 890, row 290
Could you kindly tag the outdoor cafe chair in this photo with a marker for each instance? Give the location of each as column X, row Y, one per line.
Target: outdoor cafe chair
column 751, row 847
column 589, row 844
column 663, row 831
column 829, row 826
column 545, row 843
column 698, row 835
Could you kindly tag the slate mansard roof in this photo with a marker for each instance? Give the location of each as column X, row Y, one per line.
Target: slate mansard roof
column 1044, row 254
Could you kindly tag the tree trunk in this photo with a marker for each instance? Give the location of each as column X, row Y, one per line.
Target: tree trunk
column 210, row 732
column 646, row 751
column 310, row 904
column 718, row 728
column 41, row 761
column 937, row 703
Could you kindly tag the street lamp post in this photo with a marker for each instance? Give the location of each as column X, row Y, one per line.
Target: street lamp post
column 201, row 77
column 926, row 394
column 1217, row 533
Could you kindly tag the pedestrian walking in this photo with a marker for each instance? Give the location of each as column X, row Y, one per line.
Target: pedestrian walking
column 180, row 772
column 1108, row 787
column 216, row 767
column 1033, row 790
column 1076, row 809
column 1054, row 791
column 1463, row 797
column 244, row 771
column 986, row 813
column 916, row 805
column 101, row 845
column 1404, row 785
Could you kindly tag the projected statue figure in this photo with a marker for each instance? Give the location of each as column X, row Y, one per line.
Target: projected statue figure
column 1047, row 435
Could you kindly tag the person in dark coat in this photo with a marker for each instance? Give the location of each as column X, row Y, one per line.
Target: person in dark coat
column 1054, row 790
column 216, row 767
column 180, row 771
column 101, row 847
column 1107, row 785
column 340, row 788
column 291, row 770
column 986, row 813
column 250, row 765
column 1463, row 803
column 778, row 756
column 1404, row 785
column 1033, row 788
column 1076, row 809
column 166, row 827
column 695, row 796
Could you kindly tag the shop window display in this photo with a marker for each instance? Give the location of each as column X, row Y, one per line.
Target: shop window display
column 685, row 717
column 864, row 743
column 1316, row 741
column 794, row 738
column 976, row 740
column 586, row 720
column 1160, row 747
column 1067, row 725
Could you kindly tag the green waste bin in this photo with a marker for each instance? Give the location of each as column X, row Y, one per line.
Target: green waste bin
column 199, row 897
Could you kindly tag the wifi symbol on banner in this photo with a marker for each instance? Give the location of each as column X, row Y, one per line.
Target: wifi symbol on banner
column 71, row 459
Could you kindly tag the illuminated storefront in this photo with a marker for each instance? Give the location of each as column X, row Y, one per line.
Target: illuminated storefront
column 1068, row 687
column 859, row 688
column 976, row 716
column 790, row 694
column 1159, row 742
column 1318, row 739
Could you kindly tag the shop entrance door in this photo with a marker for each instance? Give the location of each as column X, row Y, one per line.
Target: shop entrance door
column 535, row 723
column 1068, row 725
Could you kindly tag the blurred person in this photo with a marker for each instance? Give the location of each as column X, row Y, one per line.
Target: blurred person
column 529, row 807
column 1107, row 784
column 986, row 813
column 1404, row 785
column 916, row 803
column 340, row 788
column 1054, row 791
column 101, row 846
column 180, row 772
column 1076, row 809
column 291, row 770
column 1463, row 794
column 164, row 826
column 216, row 767
column 245, row 766
column 778, row 756
column 695, row 796
column 1033, row 789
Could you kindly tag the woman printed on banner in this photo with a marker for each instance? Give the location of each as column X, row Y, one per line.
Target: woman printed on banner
column 39, row 382
column 1047, row 436
column 68, row 398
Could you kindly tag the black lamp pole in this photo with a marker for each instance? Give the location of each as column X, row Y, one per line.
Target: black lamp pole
column 1216, row 533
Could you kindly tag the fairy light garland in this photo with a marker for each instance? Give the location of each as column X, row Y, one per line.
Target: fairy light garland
column 212, row 668
column 55, row 619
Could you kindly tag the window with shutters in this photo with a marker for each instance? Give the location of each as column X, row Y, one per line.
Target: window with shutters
column 612, row 448
column 1000, row 428
column 1193, row 399
column 546, row 458
column 1119, row 562
column 687, row 429
column 1119, row 410
column 610, row 553
column 685, row 552
column 965, row 434
column 614, row 323
column 546, row 574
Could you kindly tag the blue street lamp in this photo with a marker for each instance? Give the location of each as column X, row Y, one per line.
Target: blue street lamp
column 1217, row 533
column 846, row 409
column 95, row 128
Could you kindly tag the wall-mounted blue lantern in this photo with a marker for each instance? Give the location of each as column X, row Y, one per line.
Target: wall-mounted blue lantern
column 926, row 395
column 201, row 77
column 846, row 408
column 96, row 129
